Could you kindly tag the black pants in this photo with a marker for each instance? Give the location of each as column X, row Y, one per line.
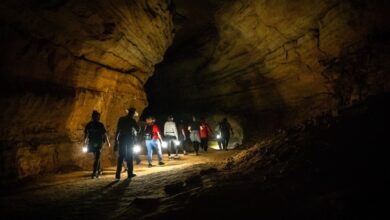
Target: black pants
column 184, row 144
column 204, row 143
column 125, row 153
column 172, row 148
column 220, row 144
column 225, row 141
column 95, row 148
column 195, row 145
column 96, row 163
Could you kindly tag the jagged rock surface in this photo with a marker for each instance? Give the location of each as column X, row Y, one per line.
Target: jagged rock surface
column 281, row 61
column 62, row 59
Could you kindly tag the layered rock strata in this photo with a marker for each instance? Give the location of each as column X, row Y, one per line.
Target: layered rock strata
column 62, row 59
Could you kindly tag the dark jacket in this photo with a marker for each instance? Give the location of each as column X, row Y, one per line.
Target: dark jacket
column 95, row 131
column 127, row 127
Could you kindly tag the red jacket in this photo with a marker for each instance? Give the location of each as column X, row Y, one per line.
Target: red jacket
column 155, row 130
column 204, row 130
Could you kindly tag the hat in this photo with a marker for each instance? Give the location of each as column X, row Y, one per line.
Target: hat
column 95, row 113
column 131, row 110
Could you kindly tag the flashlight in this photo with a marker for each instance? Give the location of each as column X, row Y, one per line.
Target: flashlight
column 136, row 149
column 177, row 142
column 164, row 144
column 85, row 149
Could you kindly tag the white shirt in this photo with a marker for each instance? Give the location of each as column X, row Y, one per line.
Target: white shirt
column 170, row 129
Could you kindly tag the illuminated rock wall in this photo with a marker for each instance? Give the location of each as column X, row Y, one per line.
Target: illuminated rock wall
column 62, row 59
column 278, row 61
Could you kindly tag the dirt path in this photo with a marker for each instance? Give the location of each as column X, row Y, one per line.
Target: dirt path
column 76, row 196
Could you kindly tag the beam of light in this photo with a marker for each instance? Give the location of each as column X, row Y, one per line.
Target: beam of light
column 214, row 145
column 164, row 144
column 85, row 149
column 218, row 136
column 137, row 149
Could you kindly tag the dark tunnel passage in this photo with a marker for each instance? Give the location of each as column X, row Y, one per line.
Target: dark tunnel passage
column 304, row 85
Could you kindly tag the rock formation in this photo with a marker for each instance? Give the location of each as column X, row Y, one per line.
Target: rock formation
column 60, row 60
column 278, row 61
column 264, row 63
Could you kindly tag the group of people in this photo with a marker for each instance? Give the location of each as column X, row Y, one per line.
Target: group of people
column 129, row 133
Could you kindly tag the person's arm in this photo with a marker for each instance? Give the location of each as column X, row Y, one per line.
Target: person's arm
column 86, row 134
column 108, row 140
column 117, row 130
column 165, row 128
column 209, row 130
column 159, row 136
column 105, row 135
column 231, row 129
column 117, row 135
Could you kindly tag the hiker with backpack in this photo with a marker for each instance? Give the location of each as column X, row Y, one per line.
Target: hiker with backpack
column 125, row 138
column 95, row 134
column 153, row 140
column 225, row 128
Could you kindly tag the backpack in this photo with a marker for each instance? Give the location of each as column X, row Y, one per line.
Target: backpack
column 148, row 132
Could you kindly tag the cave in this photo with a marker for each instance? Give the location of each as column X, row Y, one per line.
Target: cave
column 304, row 85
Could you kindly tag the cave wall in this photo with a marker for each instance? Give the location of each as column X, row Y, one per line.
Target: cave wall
column 279, row 62
column 60, row 60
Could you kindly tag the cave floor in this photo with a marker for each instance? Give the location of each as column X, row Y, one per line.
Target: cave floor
column 76, row 196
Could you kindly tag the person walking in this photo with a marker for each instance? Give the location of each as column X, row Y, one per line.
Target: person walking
column 95, row 134
column 171, row 137
column 204, row 132
column 225, row 129
column 124, row 140
column 153, row 140
column 194, row 134
column 183, row 136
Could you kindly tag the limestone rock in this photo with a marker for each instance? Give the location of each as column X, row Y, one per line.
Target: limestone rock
column 278, row 61
column 62, row 59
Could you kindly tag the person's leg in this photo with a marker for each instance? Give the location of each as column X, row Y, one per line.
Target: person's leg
column 172, row 146
column 124, row 167
column 168, row 141
column 203, row 144
column 159, row 151
column 96, row 163
column 196, row 147
column 176, row 146
column 119, row 164
column 129, row 160
column 227, row 141
column 197, row 138
column 220, row 144
column 149, row 146
column 206, row 144
column 184, row 146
